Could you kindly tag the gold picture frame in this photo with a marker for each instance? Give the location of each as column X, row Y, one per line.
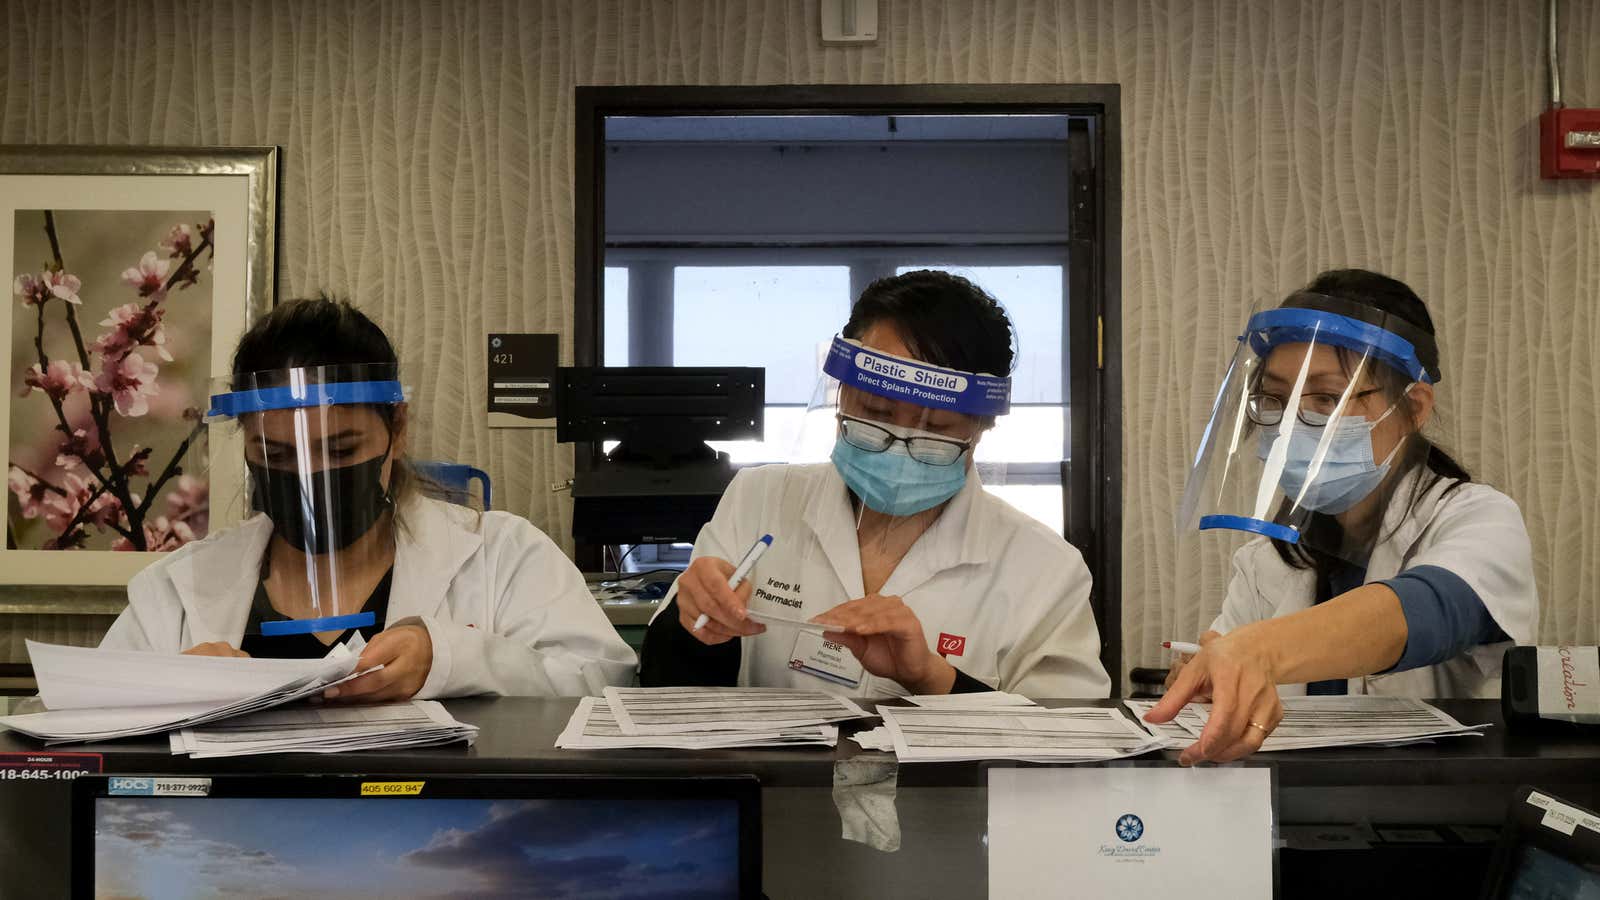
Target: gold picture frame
column 66, row 210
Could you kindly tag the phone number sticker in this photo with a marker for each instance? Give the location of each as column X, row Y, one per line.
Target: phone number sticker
column 49, row 766
column 158, row 787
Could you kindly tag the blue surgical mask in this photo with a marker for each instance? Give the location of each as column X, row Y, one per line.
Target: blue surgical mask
column 1348, row 473
column 893, row 483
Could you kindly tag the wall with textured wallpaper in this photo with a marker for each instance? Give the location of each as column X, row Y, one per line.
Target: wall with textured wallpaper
column 428, row 165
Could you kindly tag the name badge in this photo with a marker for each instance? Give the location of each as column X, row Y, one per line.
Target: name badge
column 825, row 659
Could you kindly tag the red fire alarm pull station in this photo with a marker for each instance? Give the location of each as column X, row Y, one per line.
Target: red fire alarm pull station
column 1569, row 139
column 1569, row 143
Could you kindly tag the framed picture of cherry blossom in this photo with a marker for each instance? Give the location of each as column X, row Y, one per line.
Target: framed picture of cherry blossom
column 130, row 273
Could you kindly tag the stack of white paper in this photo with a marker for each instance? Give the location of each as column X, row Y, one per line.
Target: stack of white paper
column 689, row 718
column 680, row 710
column 882, row 740
column 97, row 695
column 978, row 700
column 1313, row 722
column 1033, row 734
column 326, row 729
column 594, row 727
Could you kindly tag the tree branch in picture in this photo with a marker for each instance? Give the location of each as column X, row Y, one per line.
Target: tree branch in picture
column 43, row 482
column 172, row 468
column 97, row 405
column 57, row 380
column 119, row 390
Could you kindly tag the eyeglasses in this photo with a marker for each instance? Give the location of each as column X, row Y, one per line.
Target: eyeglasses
column 874, row 438
column 1315, row 409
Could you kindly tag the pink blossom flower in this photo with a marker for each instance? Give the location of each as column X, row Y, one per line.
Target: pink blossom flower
column 61, row 379
column 179, row 242
column 138, row 462
column 130, row 381
column 133, row 325
column 114, row 343
column 160, row 535
column 105, row 510
column 149, row 276
column 29, row 491
column 79, row 450
column 64, row 285
column 60, row 510
column 33, row 291
column 189, row 502
column 172, row 534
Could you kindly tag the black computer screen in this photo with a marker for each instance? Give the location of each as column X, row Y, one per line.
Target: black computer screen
column 335, row 848
column 1542, row 875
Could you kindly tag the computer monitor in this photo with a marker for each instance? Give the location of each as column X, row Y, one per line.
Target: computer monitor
column 331, row 837
column 1548, row 849
column 661, row 481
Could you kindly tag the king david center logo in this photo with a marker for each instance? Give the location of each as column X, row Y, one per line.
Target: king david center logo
column 1130, row 828
column 1131, row 846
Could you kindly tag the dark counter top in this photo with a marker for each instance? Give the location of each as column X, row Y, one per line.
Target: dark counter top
column 518, row 736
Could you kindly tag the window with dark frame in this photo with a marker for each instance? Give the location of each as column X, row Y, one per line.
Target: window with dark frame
column 734, row 226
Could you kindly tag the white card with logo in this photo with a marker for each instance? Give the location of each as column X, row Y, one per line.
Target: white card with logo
column 825, row 659
column 1131, row 831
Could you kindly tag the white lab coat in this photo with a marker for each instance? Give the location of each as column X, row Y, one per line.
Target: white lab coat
column 1474, row 531
column 1015, row 590
column 507, row 612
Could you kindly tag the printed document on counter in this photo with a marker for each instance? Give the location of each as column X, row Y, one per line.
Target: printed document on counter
column 594, row 727
column 109, row 694
column 325, row 729
column 1314, row 722
column 676, row 710
column 1038, row 734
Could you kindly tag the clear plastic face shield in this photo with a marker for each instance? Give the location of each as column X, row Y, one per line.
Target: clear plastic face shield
column 900, row 432
column 320, row 455
column 1311, row 431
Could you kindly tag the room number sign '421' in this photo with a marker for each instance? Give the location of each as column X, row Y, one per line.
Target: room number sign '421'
column 521, row 380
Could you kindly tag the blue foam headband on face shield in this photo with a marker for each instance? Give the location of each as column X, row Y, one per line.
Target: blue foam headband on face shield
column 300, row 396
column 919, row 383
column 1293, row 325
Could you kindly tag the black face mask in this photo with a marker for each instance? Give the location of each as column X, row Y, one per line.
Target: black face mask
column 353, row 494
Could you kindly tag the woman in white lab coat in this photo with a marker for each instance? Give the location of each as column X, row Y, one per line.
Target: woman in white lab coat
column 1401, row 577
column 924, row 582
column 451, row 602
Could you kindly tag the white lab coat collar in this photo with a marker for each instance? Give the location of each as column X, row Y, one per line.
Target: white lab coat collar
column 955, row 539
column 1403, row 524
column 433, row 544
column 218, row 586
